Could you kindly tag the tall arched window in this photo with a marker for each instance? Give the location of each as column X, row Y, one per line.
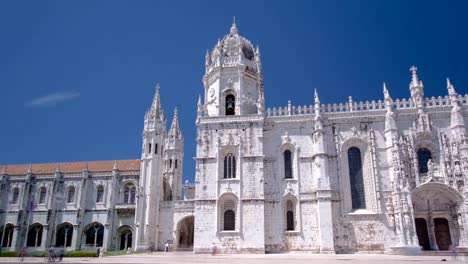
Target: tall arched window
column 64, row 235
column 229, row 220
column 287, row 164
column 42, row 195
column 71, row 194
column 129, row 194
column 15, row 198
column 289, row 215
column 99, row 194
column 95, row 235
column 229, row 166
column 7, row 235
column 230, row 104
column 424, row 155
column 34, row 238
column 356, row 179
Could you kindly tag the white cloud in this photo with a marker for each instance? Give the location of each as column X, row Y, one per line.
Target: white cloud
column 53, row 99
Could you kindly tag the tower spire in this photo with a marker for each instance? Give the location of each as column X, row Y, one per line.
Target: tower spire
column 174, row 131
column 414, row 76
column 156, row 108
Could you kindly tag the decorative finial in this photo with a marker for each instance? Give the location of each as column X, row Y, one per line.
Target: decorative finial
column 57, row 169
column 450, row 87
column 116, row 167
column 30, row 168
column 414, row 77
column 4, row 171
column 316, row 97
column 234, row 27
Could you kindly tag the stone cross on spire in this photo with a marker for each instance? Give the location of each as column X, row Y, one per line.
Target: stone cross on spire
column 156, row 108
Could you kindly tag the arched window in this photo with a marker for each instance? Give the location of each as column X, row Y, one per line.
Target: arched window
column 230, row 104
column 229, row 220
column 129, row 194
column 289, row 216
column 42, row 195
column 7, row 235
column 288, row 164
column 424, row 155
column 95, row 235
column 175, row 166
column 149, row 148
column 170, row 164
column 356, row 179
column 156, row 148
column 71, row 194
column 99, row 194
column 64, row 235
column 229, row 166
column 34, row 235
column 15, row 198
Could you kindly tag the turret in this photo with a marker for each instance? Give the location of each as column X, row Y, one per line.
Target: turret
column 154, row 134
column 457, row 124
column 391, row 131
column 417, row 90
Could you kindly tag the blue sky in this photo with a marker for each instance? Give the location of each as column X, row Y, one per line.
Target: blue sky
column 76, row 77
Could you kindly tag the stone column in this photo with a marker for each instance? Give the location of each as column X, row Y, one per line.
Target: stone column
column 430, row 227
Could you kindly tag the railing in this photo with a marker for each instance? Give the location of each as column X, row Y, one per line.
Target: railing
column 352, row 106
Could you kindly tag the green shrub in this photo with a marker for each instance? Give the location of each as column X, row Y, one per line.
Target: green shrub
column 115, row 253
column 81, row 254
column 8, row 253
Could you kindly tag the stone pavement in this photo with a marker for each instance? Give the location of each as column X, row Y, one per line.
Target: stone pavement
column 189, row 258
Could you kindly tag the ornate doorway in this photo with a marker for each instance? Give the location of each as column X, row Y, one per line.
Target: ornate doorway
column 435, row 210
column 421, row 231
column 185, row 233
column 442, row 233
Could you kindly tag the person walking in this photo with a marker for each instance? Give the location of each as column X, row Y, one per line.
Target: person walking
column 213, row 249
column 166, row 246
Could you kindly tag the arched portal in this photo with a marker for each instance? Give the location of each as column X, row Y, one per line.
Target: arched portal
column 124, row 237
column 435, row 211
column 185, row 233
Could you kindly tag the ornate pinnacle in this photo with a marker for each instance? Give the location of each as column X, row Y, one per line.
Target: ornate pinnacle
column 116, row 167
column 30, row 168
column 57, row 169
column 316, row 103
column 386, row 93
column 450, row 88
column 414, row 78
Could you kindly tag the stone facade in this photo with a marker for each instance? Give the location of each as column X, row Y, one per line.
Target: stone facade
column 375, row 176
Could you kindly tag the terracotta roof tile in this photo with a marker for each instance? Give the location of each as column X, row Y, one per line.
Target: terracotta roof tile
column 73, row 167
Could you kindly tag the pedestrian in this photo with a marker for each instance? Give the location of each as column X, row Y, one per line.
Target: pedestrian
column 213, row 249
column 62, row 253
column 51, row 254
column 22, row 253
column 166, row 246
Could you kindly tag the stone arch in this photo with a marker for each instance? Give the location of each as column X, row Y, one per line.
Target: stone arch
column 6, row 235
column 34, row 237
column 93, row 235
column 228, row 202
column 64, row 235
column 185, row 232
column 436, row 205
column 367, row 174
column 289, row 205
column 124, row 237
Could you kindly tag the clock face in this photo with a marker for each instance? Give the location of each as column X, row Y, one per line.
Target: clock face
column 212, row 92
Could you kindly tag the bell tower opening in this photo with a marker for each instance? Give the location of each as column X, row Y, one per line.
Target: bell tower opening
column 230, row 104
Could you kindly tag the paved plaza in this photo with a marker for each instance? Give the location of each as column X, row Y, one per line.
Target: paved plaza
column 187, row 258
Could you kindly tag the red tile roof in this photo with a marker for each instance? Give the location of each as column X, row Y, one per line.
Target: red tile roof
column 72, row 167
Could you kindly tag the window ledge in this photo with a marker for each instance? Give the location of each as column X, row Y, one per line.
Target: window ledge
column 228, row 233
column 291, row 232
column 290, row 179
column 361, row 212
column 229, row 179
